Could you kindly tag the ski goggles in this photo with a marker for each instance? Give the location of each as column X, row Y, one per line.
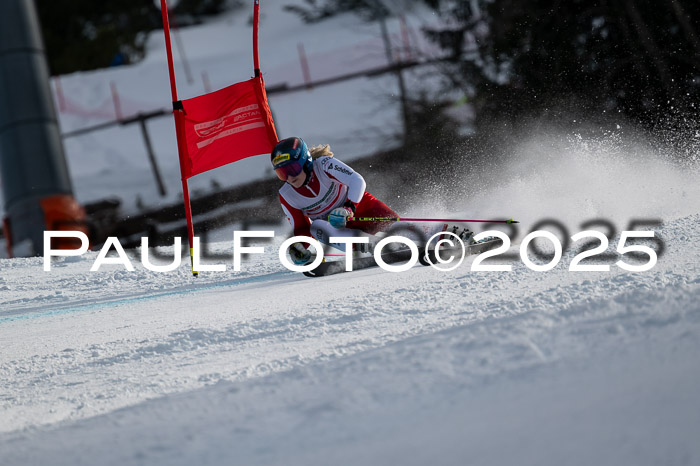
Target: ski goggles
column 291, row 169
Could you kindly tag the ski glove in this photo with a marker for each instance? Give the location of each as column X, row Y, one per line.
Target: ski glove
column 338, row 217
column 300, row 255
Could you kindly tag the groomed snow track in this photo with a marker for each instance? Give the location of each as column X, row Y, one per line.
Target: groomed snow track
column 421, row 367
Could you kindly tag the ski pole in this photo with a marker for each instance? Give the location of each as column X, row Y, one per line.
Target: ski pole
column 404, row 219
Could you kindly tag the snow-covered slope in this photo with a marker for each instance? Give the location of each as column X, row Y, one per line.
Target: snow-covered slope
column 265, row 366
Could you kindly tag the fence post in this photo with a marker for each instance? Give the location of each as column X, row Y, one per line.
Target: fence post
column 304, row 65
column 205, row 82
column 151, row 155
column 59, row 94
column 115, row 101
column 405, row 39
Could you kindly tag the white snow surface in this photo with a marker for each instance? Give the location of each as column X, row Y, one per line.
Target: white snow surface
column 265, row 366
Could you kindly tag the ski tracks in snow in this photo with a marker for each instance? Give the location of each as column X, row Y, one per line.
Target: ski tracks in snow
column 417, row 336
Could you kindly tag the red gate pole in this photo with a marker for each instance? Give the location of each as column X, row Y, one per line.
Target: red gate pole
column 256, row 19
column 179, row 131
column 260, row 83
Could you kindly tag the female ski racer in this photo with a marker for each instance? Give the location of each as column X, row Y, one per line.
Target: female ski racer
column 321, row 194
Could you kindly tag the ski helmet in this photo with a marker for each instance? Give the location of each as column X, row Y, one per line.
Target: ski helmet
column 289, row 157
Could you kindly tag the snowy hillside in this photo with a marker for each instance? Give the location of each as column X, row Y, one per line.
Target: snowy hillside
column 356, row 117
column 265, row 366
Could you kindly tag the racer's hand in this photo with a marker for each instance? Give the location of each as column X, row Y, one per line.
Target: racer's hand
column 299, row 254
column 338, row 217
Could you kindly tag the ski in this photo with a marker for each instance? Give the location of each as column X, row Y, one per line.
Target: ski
column 402, row 255
column 359, row 263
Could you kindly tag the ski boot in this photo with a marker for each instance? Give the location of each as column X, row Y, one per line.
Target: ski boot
column 464, row 234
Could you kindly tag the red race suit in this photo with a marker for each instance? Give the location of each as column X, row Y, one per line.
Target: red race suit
column 332, row 184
